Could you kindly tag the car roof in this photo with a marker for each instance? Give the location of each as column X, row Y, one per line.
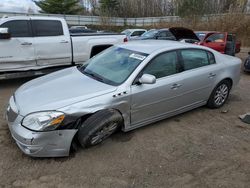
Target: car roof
column 30, row 17
column 164, row 29
column 150, row 46
column 131, row 30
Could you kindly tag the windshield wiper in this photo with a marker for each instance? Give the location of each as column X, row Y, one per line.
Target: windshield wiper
column 92, row 75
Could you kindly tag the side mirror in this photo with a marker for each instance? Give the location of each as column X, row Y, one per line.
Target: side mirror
column 208, row 41
column 4, row 33
column 147, row 79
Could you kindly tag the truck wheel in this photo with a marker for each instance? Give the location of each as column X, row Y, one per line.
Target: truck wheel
column 219, row 95
column 98, row 127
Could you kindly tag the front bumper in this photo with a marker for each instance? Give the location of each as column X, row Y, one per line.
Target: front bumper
column 40, row 144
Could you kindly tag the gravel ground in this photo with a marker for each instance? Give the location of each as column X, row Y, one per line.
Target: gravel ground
column 201, row 148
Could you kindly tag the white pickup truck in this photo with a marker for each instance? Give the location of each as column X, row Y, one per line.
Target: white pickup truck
column 36, row 43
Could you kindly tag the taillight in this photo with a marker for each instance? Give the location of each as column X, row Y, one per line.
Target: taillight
column 125, row 39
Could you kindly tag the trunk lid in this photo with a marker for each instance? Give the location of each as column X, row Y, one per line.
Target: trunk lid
column 183, row 33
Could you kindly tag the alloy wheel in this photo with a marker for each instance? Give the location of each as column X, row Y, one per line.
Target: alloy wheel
column 221, row 94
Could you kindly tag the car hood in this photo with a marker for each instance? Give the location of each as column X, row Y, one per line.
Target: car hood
column 58, row 90
column 183, row 33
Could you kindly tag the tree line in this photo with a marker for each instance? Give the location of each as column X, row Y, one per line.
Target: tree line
column 143, row 8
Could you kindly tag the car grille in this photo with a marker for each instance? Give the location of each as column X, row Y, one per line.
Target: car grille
column 11, row 115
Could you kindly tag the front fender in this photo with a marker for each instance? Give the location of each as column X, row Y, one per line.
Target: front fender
column 94, row 105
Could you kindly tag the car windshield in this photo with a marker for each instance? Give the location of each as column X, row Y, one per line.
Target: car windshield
column 150, row 33
column 113, row 66
column 126, row 32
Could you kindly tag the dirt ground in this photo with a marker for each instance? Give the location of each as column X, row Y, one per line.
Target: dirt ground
column 202, row 148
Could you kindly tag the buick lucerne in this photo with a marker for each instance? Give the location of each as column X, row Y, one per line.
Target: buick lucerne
column 125, row 87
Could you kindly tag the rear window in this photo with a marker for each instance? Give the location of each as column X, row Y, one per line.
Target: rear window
column 137, row 33
column 211, row 58
column 195, row 58
column 45, row 28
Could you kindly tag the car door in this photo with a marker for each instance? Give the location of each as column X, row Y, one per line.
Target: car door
column 216, row 41
column 231, row 45
column 52, row 45
column 198, row 77
column 17, row 53
column 149, row 101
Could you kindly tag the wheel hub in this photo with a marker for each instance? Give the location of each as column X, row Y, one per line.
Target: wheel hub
column 221, row 94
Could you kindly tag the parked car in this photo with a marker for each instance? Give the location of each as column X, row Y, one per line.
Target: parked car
column 175, row 33
column 247, row 64
column 35, row 43
column 127, row 86
column 222, row 42
column 133, row 33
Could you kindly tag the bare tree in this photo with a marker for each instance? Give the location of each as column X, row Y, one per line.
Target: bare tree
column 152, row 8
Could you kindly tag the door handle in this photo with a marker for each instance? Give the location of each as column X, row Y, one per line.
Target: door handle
column 211, row 75
column 64, row 41
column 26, row 43
column 176, row 86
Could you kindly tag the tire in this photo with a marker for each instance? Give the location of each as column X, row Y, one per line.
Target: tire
column 219, row 95
column 98, row 127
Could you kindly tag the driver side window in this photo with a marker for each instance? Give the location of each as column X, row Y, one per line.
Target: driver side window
column 217, row 37
column 163, row 34
column 18, row 28
column 163, row 65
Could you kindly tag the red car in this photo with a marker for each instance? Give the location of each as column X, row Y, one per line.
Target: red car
column 220, row 41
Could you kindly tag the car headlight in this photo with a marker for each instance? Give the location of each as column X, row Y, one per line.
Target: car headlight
column 43, row 121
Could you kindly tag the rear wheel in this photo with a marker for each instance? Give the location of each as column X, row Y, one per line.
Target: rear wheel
column 219, row 95
column 98, row 127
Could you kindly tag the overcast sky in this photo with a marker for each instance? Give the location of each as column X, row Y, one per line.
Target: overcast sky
column 23, row 6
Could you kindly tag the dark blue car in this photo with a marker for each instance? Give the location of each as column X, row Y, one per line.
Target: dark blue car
column 247, row 64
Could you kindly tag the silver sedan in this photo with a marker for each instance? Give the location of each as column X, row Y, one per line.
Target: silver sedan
column 125, row 87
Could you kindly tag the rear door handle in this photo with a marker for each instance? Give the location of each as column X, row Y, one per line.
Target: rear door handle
column 176, row 86
column 26, row 43
column 64, row 41
column 212, row 75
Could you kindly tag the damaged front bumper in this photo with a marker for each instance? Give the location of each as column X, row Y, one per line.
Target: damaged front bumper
column 40, row 144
